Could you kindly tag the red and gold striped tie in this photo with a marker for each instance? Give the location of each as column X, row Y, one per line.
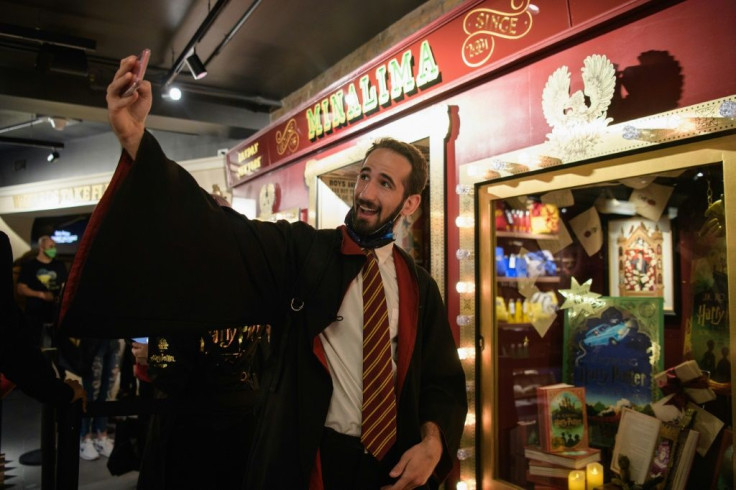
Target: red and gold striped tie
column 379, row 399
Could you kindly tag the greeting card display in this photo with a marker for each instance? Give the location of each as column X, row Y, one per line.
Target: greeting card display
column 615, row 352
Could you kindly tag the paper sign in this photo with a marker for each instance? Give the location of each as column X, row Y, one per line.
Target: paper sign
column 639, row 182
column 651, row 201
column 587, row 229
column 563, row 240
column 561, row 199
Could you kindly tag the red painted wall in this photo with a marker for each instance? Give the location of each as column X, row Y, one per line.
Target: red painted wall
column 679, row 56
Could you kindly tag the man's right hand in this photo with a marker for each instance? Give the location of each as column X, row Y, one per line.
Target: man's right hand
column 128, row 114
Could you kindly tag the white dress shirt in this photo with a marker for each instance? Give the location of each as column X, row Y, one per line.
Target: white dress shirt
column 343, row 344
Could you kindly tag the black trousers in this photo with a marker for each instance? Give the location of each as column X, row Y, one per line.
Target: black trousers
column 345, row 464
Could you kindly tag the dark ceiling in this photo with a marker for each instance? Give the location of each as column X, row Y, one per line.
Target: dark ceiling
column 256, row 53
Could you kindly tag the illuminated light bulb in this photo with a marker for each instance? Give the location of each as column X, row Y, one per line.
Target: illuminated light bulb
column 472, row 170
column 727, row 109
column 466, row 353
column 465, row 320
column 466, row 484
column 464, row 254
column 465, row 452
column 465, row 287
column 465, row 221
column 173, row 93
column 631, row 133
column 464, row 190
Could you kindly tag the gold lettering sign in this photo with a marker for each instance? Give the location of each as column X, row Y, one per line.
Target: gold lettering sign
column 65, row 196
column 248, row 152
column 483, row 25
column 395, row 80
column 249, row 167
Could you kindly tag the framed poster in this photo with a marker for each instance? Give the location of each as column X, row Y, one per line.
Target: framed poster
column 615, row 352
column 640, row 261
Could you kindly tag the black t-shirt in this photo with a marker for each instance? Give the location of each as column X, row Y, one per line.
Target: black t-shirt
column 42, row 277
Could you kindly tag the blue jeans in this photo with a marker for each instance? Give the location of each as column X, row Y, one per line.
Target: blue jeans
column 105, row 366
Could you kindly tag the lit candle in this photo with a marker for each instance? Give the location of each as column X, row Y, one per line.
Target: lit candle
column 576, row 480
column 594, row 475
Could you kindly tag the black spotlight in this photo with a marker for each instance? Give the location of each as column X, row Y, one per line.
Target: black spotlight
column 54, row 155
column 196, row 66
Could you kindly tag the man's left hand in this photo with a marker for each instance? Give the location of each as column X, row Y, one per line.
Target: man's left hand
column 417, row 464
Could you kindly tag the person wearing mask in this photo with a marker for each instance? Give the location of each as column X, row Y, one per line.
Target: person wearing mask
column 363, row 387
column 40, row 282
column 20, row 361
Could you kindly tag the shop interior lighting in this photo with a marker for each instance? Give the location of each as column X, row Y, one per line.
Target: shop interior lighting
column 465, row 221
column 728, row 109
column 465, row 320
column 171, row 93
column 196, row 67
column 465, row 287
column 54, row 155
column 464, row 190
column 466, row 353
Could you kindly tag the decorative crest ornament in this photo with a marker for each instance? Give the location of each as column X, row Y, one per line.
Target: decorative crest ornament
column 576, row 126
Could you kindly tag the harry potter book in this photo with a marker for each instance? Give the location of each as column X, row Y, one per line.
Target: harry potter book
column 611, row 352
column 563, row 423
column 651, row 447
column 573, row 460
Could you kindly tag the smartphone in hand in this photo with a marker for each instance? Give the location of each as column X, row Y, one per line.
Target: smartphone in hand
column 138, row 74
column 140, row 340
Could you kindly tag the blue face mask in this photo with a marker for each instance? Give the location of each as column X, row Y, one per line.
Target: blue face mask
column 382, row 236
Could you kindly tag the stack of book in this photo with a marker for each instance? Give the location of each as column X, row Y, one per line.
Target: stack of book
column 563, row 437
column 550, row 470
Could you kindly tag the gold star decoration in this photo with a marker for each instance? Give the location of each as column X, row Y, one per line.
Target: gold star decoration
column 579, row 298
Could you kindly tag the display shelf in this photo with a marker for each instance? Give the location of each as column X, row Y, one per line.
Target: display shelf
column 515, row 326
column 538, row 279
column 526, row 235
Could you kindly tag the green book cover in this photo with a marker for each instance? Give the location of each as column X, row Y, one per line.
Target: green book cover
column 614, row 353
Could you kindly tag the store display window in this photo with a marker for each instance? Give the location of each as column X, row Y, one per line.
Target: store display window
column 615, row 276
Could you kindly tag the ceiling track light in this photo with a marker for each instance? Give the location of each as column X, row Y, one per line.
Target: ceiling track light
column 195, row 65
column 171, row 92
column 54, row 155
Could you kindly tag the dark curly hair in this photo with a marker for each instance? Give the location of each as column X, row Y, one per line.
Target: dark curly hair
column 417, row 180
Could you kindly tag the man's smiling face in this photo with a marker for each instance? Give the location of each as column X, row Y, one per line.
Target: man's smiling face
column 379, row 194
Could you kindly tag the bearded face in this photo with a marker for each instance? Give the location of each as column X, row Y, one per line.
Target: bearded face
column 370, row 217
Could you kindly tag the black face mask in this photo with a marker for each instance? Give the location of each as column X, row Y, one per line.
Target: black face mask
column 382, row 236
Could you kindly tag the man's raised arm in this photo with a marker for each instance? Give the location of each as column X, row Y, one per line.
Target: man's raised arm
column 128, row 114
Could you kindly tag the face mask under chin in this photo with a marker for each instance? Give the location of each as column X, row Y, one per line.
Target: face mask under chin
column 379, row 237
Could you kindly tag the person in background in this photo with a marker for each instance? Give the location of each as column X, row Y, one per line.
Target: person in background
column 20, row 361
column 40, row 282
column 98, row 380
column 320, row 422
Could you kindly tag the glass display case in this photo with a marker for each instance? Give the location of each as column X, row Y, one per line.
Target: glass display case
column 603, row 274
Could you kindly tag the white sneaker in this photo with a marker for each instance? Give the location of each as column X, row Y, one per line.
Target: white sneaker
column 87, row 450
column 104, row 446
